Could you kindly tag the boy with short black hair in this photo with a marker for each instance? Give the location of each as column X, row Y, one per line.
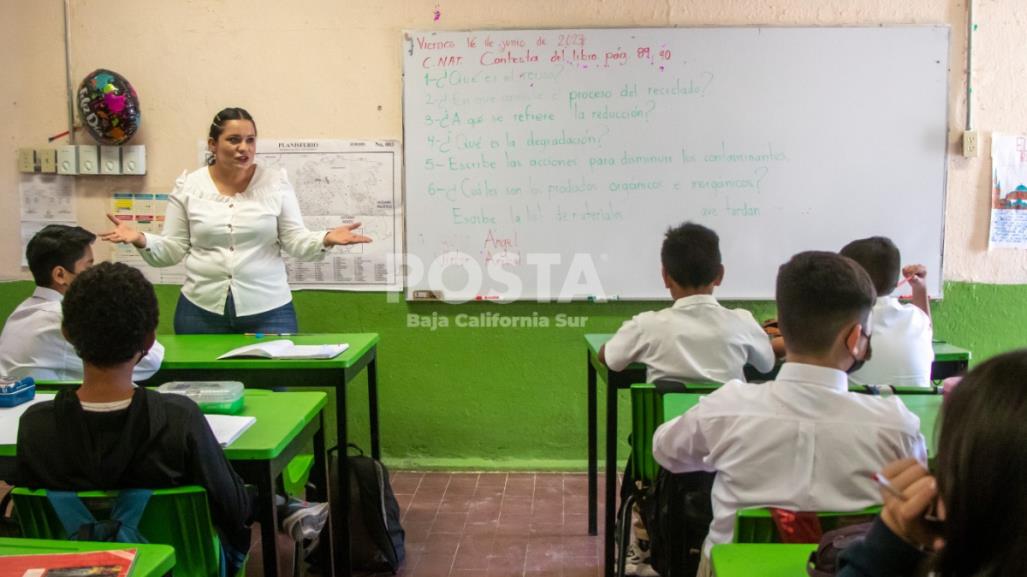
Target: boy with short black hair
column 111, row 434
column 902, row 332
column 695, row 339
column 31, row 343
column 801, row 442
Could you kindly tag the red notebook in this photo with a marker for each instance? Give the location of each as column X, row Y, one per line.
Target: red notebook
column 114, row 563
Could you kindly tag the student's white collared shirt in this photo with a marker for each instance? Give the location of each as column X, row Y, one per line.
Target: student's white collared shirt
column 802, row 442
column 234, row 242
column 31, row 343
column 694, row 339
column 902, row 349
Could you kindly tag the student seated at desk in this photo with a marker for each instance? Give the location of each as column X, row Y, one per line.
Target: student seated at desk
column 902, row 332
column 802, row 442
column 111, row 434
column 31, row 343
column 695, row 339
column 976, row 493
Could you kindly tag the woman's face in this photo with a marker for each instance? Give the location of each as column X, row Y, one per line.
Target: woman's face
column 236, row 145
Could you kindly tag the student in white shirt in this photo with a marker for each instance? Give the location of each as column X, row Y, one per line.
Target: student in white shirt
column 695, row 339
column 31, row 343
column 803, row 441
column 903, row 352
column 230, row 221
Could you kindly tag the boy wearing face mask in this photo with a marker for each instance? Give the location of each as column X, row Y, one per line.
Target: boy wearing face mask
column 802, row 442
column 902, row 331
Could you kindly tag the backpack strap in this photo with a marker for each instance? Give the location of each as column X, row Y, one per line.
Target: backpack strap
column 80, row 524
column 128, row 510
column 71, row 511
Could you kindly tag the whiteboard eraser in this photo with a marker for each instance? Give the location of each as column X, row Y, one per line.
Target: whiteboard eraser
column 88, row 159
column 426, row 295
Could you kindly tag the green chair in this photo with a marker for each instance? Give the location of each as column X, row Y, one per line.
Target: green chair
column 755, row 525
column 647, row 414
column 179, row 517
column 888, row 390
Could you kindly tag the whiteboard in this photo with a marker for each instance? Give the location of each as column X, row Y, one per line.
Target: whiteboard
column 548, row 164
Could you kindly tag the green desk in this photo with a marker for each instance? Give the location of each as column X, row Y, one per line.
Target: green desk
column 194, row 357
column 760, row 559
column 927, row 407
column 151, row 560
column 286, row 423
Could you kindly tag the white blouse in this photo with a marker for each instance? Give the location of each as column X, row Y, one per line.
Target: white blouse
column 234, row 242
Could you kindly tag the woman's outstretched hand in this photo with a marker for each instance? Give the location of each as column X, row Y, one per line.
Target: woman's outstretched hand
column 123, row 233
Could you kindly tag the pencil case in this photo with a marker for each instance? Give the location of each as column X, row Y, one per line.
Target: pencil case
column 15, row 392
column 224, row 397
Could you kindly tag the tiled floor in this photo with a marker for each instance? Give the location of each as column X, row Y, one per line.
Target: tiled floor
column 496, row 525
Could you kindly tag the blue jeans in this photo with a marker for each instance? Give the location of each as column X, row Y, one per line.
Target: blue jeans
column 191, row 319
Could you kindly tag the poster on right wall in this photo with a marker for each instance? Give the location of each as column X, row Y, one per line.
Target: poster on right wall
column 1008, row 191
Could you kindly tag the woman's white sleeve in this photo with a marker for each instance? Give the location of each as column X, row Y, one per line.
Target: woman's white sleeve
column 294, row 236
column 171, row 247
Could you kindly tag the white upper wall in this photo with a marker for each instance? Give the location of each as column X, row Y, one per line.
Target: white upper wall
column 332, row 69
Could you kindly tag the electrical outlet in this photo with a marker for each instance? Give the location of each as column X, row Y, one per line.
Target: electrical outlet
column 47, row 159
column 970, row 144
column 67, row 159
column 26, row 160
column 110, row 160
column 88, row 159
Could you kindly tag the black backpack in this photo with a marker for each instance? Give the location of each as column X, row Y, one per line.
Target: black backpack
column 376, row 537
column 678, row 512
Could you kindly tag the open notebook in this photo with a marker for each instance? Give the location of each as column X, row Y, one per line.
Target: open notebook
column 228, row 428
column 10, row 416
column 285, row 349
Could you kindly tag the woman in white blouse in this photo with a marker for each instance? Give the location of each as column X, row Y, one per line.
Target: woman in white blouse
column 230, row 221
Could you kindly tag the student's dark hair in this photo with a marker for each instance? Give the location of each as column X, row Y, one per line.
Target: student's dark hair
column 56, row 245
column 880, row 257
column 982, row 471
column 217, row 126
column 109, row 311
column 818, row 293
column 691, row 255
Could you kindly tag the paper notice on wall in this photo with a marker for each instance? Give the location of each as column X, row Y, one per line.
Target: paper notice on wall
column 1008, row 191
column 45, row 199
column 145, row 211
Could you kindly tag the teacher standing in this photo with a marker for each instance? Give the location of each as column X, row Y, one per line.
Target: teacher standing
column 230, row 221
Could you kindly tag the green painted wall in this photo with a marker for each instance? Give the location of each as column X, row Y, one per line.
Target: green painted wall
column 462, row 397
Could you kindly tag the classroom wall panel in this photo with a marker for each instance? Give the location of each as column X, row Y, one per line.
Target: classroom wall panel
column 460, row 396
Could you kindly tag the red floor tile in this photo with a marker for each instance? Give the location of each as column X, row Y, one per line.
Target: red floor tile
column 493, row 525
